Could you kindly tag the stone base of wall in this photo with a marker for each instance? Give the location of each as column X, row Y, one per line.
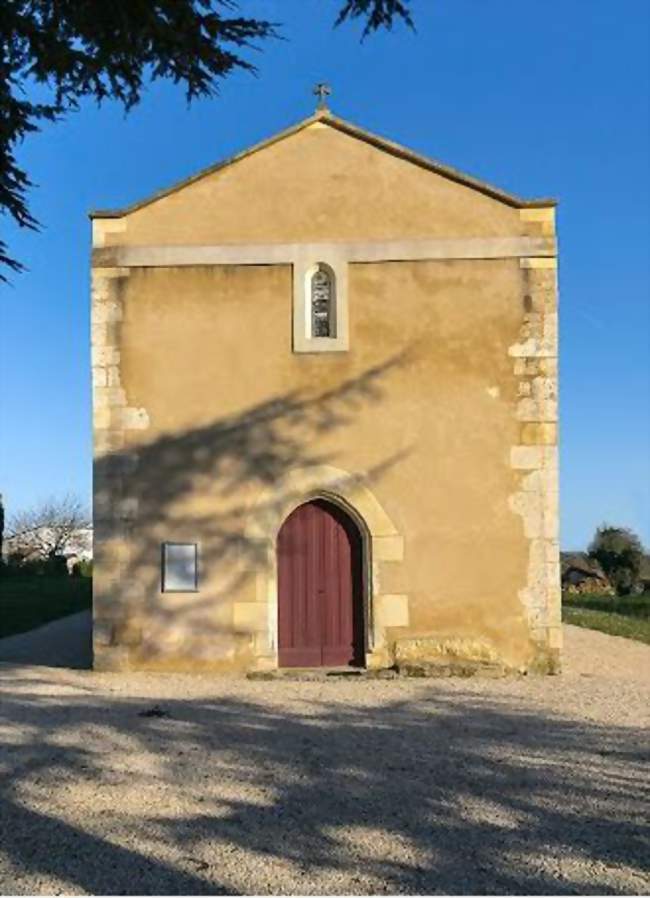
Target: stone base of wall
column 462, row 656
column 110, row 660
column 438, row 669
column 545, row 661
column 419, row 656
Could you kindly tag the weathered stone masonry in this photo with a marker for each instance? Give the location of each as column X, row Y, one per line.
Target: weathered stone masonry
column 116, row 602
column 536, row 454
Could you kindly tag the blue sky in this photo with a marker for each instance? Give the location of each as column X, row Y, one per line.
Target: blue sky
column 537, row 98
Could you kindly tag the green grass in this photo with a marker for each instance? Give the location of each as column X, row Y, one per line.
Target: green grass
column 627, row 616
column 29, row 601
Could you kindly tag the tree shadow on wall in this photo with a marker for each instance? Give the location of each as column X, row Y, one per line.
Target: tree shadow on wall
column 403, row 790
column 205, row 484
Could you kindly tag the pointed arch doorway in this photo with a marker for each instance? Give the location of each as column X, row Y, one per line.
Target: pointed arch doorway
column 320, row 588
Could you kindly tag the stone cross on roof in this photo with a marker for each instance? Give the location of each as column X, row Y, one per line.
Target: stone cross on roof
column 322, row 90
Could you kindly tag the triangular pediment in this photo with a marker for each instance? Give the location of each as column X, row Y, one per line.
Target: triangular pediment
column 324, row 178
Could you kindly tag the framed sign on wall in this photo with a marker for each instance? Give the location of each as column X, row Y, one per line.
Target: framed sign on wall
column 180, row 567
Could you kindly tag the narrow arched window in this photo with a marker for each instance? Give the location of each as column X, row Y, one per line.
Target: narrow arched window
column 322, row 302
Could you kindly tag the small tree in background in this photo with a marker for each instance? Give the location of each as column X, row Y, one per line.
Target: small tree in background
column 619, row 552
column 48, row 530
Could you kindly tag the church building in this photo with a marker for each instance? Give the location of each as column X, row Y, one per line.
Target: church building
column 325, row 417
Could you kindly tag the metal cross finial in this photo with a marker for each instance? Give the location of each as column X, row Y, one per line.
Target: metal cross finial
column 322, row 90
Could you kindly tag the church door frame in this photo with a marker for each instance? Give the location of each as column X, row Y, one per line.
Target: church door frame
column 383, row 547
column 330, row 518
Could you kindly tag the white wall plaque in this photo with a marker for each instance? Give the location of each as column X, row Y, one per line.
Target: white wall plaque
column 180, row 569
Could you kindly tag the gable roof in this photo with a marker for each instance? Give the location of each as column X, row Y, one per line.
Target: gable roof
column 581, row 561
column 325, row 117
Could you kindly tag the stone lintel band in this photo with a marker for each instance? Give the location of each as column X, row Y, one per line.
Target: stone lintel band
column 353, row 252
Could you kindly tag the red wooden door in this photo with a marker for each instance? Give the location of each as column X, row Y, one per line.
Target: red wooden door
column 320, row 609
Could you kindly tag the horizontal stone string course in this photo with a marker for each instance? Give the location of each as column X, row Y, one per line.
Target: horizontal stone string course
column 528, row 248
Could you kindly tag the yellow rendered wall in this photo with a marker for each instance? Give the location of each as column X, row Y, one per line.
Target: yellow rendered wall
column 201, row 407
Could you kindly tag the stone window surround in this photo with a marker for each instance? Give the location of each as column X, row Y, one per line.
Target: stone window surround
column 304, row 268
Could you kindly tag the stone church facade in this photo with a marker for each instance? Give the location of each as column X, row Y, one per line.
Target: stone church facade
column 325, row 416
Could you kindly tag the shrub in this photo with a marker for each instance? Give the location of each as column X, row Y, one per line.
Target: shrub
column 85, row 568
column 18, row 566
column 619, row 552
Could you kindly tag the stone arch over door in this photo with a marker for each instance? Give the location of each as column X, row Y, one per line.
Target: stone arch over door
column 383, row 544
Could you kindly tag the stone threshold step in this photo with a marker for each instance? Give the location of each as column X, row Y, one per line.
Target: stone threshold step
column 322, row 673
column 426, row 669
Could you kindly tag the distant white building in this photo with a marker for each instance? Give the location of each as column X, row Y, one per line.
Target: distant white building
column 32, row 544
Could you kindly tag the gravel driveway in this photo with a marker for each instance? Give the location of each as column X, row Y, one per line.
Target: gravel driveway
column 66, row 642
column 532, row 785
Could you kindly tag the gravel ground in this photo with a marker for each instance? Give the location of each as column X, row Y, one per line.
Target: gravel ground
column 527, row 786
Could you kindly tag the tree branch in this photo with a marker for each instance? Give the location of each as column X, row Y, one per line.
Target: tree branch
column 109, row 50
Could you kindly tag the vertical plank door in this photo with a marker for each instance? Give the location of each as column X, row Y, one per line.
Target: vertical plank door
column 320, row 617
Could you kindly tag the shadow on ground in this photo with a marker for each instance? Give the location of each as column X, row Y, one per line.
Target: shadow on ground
column 66, row 642
column 298, row 788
